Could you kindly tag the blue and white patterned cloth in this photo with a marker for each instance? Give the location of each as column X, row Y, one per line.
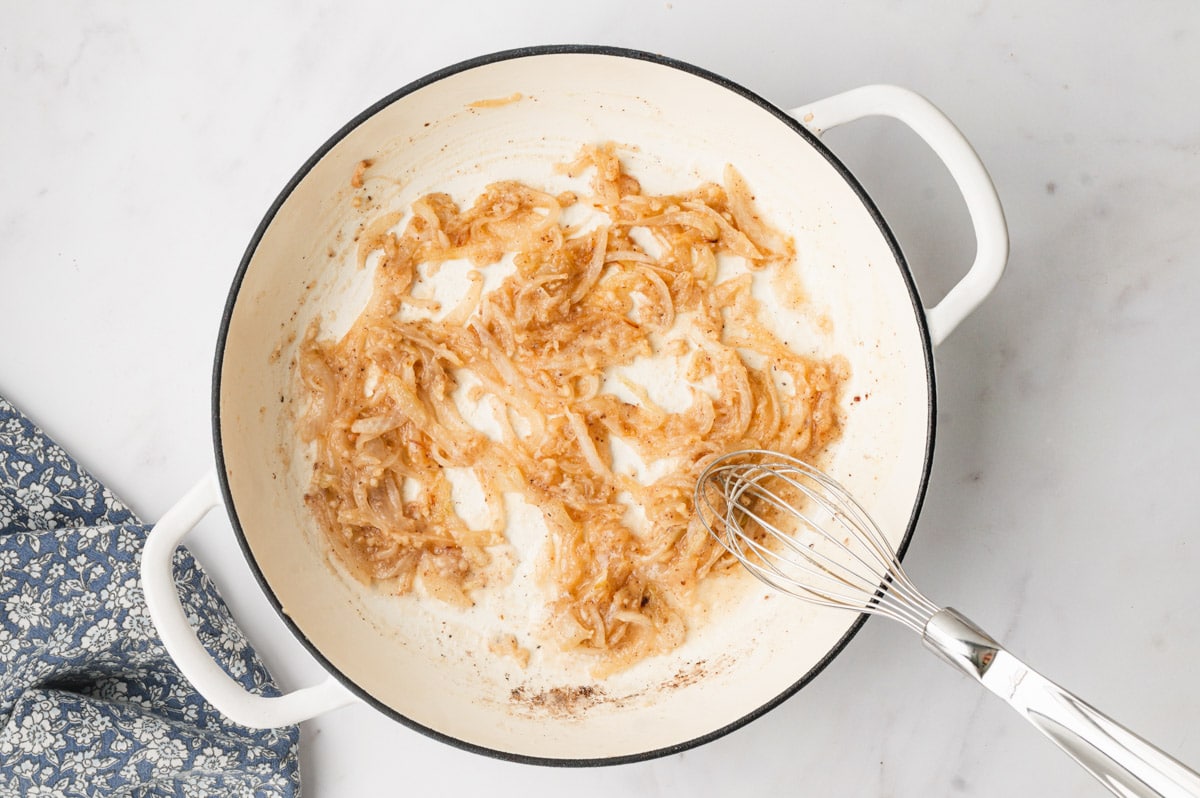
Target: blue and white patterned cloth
column 90, row 702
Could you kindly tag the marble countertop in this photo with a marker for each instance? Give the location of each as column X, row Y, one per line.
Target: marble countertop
column 142, row 144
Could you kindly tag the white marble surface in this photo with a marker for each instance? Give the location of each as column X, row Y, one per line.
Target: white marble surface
column 141, row 144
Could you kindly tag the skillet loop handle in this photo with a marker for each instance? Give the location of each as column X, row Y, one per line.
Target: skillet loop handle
column 179, row 638
column 983, row 204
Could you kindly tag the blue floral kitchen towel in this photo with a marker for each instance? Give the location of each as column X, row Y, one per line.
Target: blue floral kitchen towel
column 90, row 702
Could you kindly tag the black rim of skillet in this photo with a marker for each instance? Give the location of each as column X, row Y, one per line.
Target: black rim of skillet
column 526, row 52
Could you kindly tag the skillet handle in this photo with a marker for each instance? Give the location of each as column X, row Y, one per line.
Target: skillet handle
column 179, row 638
column 983, row 204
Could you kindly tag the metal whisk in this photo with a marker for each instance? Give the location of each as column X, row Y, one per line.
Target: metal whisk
column 795, row 528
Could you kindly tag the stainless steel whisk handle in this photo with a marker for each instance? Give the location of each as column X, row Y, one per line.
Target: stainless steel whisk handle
column 1122, row 761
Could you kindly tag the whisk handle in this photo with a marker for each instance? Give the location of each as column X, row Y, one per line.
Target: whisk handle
column 1122, row 761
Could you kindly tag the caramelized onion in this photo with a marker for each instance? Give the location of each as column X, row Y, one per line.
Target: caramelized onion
column 544, row 350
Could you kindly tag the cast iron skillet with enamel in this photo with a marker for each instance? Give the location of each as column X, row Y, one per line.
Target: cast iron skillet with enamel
column 428, row 667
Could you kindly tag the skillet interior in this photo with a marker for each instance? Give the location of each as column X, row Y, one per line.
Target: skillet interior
column 432, row 670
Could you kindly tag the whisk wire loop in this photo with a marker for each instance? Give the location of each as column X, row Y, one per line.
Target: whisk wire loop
column 799, row 531
column 811, row 560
